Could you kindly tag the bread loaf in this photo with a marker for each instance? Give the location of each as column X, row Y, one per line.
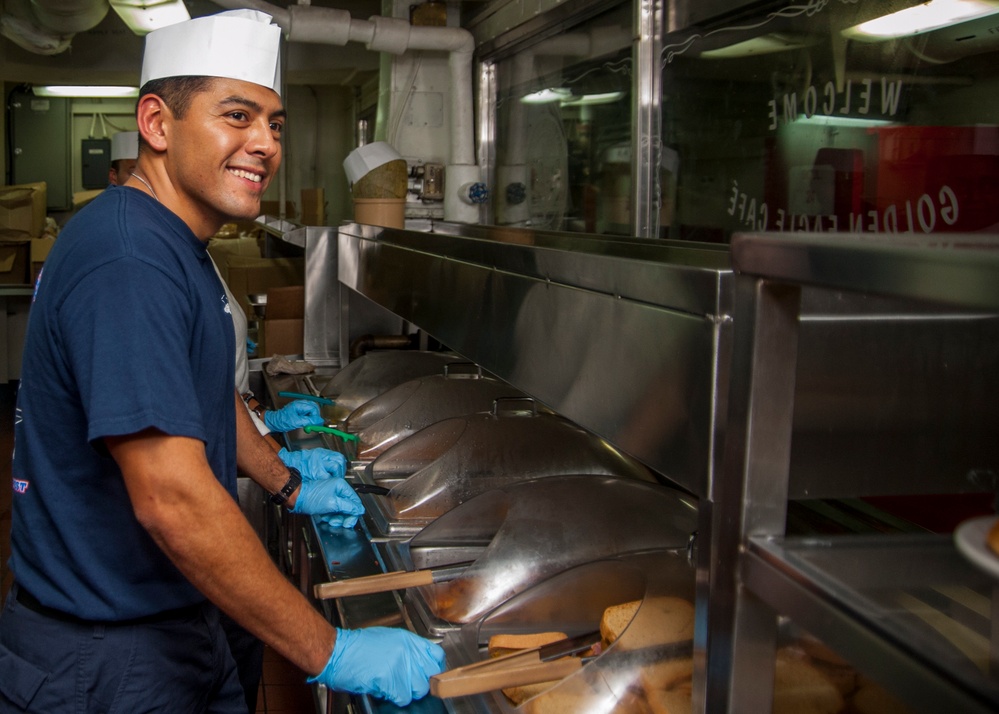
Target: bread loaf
column 665, row 620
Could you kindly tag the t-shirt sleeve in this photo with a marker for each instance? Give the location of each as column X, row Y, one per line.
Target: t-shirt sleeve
column 127, row 331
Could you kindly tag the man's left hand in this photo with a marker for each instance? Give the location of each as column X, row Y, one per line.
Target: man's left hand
column 315, row 464
column 294, row 415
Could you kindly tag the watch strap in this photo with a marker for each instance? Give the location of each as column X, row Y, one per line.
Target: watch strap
column 294, row 481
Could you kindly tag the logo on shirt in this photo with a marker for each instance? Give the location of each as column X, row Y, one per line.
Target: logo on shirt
column 225, row 301
column 20, row 486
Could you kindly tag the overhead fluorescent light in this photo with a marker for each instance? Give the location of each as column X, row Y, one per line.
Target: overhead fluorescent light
column 544, row 96
column 763, row 45
column 589, row 99
column 142, row 17
column 922, row 18
column 84, row 91
column 825, row 120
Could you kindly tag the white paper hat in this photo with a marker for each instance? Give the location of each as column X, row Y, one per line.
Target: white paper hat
column 125, row 145
column 236, row 44
column 364, row 159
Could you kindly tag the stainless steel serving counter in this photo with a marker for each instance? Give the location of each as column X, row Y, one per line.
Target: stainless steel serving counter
column 638, row 341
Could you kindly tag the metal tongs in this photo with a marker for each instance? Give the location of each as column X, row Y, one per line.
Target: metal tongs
column 530, row 666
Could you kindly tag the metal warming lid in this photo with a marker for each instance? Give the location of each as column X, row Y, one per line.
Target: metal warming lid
column 403, row 410
column 447, row 463
column 516, row 536
column 377, row 372
column 657, row 641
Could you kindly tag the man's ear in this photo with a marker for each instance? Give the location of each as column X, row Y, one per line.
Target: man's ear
column 151, row 115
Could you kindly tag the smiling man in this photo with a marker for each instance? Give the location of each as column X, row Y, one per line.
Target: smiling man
column 127, row 539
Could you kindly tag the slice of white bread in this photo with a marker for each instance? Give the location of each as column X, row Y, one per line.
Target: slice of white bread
column 667, row 674
column 872, row 698
column 503, row 644
column 836, row 669
column 558, row 703
column 800, row 688
column 672, row 701
column 665, row 620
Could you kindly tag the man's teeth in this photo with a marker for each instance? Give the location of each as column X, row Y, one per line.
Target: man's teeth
column 246, row 174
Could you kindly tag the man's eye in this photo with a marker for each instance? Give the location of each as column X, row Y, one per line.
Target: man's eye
column 277, row 128
column 238, row 116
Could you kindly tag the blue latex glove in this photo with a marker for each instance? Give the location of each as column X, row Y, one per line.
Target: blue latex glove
column 293, row 415
column 337, row 521
column 328, row 497
column 386, row 662
column 315, row 464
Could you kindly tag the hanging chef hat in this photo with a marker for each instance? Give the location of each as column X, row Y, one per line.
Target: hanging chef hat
column 236, row 44
column 125, row 145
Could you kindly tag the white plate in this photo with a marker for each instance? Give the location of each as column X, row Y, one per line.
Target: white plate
column 970, row 539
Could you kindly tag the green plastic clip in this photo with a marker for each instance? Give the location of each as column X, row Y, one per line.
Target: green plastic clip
column 310, row 428
column 311, row 397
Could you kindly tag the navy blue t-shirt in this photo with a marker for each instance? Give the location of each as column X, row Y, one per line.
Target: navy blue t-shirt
column 130, row 329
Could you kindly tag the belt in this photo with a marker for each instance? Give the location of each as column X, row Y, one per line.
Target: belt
column 29, row 601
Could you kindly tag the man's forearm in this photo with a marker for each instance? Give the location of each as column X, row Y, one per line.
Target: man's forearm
column 256, row 457
column 201, row 529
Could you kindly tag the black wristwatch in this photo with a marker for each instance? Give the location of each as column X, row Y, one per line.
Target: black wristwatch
column 294, row 481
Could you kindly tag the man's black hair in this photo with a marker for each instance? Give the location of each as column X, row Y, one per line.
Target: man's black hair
column 176, row 92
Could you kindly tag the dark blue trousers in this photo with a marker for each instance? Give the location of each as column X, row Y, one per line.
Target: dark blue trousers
column 178, row 665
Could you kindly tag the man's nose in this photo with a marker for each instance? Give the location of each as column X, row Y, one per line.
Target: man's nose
column 262, row 140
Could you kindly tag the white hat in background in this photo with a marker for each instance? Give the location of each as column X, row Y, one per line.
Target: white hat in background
column 236, row 44
column 125, row 145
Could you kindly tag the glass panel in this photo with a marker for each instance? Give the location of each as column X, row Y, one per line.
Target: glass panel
column 805, row 119
column 563, row 129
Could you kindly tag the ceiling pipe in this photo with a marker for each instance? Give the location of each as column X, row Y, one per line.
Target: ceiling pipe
column 308, row 23
column 47, row 27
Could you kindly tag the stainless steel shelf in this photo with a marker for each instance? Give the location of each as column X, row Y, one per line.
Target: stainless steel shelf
column 907, row 610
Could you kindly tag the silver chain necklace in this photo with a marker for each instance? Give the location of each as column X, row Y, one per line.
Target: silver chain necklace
column 146, row 184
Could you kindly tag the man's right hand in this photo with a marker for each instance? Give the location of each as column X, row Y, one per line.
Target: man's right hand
column 385, row 662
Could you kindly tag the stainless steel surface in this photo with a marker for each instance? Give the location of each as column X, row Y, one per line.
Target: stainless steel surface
column 403, row 410
column 632, row 340
column 840, row 599
column 519, row 534
column 573, row 602
column 886, row 604
column 321, row 334
column 646, row 133
column 377, row 372
column 451, row 461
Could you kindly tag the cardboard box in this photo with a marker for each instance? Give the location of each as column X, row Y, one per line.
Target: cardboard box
column 22, row 210
column 273, row 208
column 39, row 251
column 286, row 303
column 283, row 337
column 14, row 259
column 246, row 275
column 313, row 207
column 221, row 249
